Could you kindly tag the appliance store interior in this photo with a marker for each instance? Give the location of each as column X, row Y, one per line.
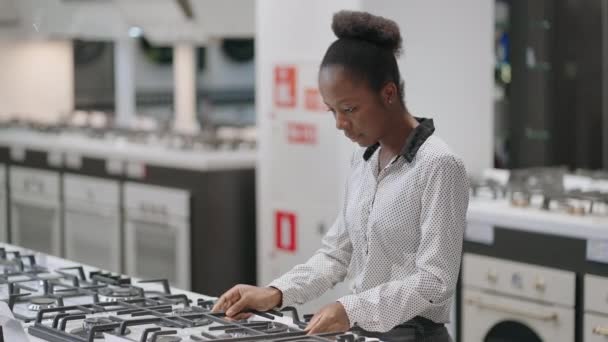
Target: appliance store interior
column 268, row 170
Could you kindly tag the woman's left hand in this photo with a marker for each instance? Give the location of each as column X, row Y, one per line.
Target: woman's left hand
column 331, row 318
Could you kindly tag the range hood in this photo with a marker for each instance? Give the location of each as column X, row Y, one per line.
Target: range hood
column 163, row 22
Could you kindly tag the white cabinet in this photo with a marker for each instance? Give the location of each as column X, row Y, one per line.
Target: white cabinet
column 92, row 221
column 3, row 209
column 596, row 309
column 36, row 209
column 157, row 233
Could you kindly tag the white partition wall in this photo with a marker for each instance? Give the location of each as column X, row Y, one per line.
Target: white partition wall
column 303, row 159
column 447, row 64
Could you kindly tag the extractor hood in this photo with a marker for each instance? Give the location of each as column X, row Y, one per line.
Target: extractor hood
column 163, row 22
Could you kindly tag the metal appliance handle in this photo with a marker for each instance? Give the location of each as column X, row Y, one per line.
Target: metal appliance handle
column 599, row 330
column 502, row 308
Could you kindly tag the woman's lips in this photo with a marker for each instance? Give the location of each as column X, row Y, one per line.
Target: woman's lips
column 353, row 137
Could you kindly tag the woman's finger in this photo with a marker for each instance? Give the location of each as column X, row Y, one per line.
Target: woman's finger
column 314, row 325
column 237, row 307
column 219, row 304
column 225, row 301
column 242, row 316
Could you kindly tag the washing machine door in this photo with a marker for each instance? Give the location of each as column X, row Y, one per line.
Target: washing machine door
column 511, row 331
column 497, row 318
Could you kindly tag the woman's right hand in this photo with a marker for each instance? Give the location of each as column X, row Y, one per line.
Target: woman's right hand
column 236, row 301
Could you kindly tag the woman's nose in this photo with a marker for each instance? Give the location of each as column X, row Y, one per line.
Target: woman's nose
column 341, row 122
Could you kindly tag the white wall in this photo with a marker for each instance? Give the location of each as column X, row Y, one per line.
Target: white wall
column 447, row 66
column 36, row 79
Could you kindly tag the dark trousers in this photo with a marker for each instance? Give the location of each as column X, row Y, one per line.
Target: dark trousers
column 417, row 329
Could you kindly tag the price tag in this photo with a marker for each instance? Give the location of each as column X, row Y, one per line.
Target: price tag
column 136, row 170
column 480, row 233
column 17, row 153
column 115, row 167
column 73, row 160
column 54, row 158
column 597, row 250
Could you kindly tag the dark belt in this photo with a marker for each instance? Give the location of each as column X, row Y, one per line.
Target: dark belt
column 415, row 327
column 421, row 321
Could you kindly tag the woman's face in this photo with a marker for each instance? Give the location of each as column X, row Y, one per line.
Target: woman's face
column 358, row 110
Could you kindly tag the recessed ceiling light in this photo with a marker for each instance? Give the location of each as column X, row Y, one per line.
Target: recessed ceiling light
column 135, row 32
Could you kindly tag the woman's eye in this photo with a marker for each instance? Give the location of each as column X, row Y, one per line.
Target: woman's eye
column 349, row 110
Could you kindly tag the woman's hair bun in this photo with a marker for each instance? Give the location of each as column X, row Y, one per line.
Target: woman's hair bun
column 365, row 26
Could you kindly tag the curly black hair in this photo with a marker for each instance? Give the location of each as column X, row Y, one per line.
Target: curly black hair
column 374, row 29
column 367, row 46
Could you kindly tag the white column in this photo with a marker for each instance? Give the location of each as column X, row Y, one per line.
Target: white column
column 294, row 35
column 184, row 73
column 124, row 81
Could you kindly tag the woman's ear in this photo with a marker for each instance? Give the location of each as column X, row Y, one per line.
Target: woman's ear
column 389, row 93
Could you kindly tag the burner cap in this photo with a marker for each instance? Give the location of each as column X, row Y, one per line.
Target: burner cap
column 88, row 323
column 275, row 327
column 91, row 322
column 208, row 304
column 184, row 312
column 108, row 294
column 39, row 303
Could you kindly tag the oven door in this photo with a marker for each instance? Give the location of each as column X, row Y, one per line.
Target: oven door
column 157, row 249
column 496, row 318
column 92, row 235
column 596, row 328
column 36, row 224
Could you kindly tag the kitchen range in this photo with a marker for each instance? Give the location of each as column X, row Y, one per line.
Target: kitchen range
column 147, row 204
column 57, row 300
column 535, row 264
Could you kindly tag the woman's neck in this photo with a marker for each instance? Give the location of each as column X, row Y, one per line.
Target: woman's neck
column 400, row 128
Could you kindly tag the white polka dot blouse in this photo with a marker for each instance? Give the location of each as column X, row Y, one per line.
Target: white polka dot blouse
column 397, row 239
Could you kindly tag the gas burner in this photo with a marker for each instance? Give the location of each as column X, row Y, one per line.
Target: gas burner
column 184, row 312
column 118, row 294
column 274, row 328
column 91, row 322
column 206, row 304
column 9, row 266
column 167, row 339
column 39, row 303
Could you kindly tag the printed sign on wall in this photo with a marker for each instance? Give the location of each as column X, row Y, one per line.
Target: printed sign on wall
column 301, row 133
column 285, row 83
column 285, row 231
column 313, row 100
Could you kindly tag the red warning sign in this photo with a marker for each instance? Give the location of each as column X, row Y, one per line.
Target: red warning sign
column 301, row 133
column 285, row 86
column 313, row 100
column 285, row 233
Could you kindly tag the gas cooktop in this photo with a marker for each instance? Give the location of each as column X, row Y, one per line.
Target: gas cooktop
column 79, row 304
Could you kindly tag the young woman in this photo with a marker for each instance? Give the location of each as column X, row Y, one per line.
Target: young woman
column 398, row 237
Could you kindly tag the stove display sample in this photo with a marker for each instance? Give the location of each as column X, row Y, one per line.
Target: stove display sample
column 70, row 304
